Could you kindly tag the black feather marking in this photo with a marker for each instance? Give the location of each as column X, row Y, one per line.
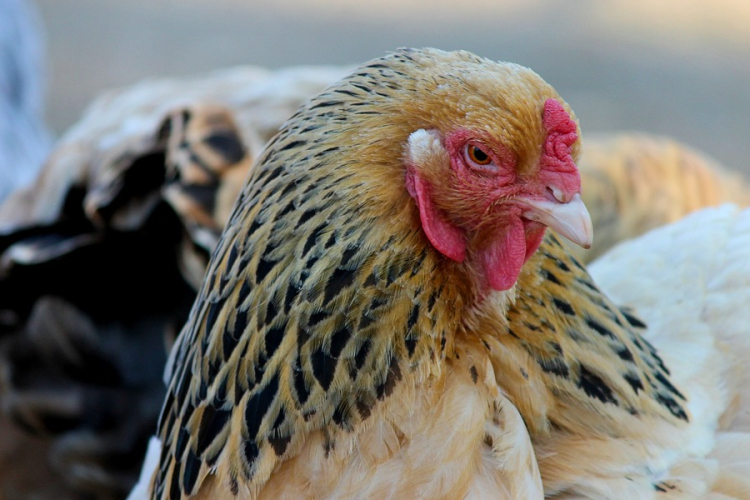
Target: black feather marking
column 258, row 405
column 300, row 386
column 272, row 174
column 312, row 238
column 431, row 301
column 363, row 409
column 233, row 252
column 556, row 366
column 190, row 472
column 340, row 279
column 587, row 284
column 285, row 211
column 599, row 328
column 166, row 411
column 181, row 442
column 214, row 365
column 326, row 104
column 212, row 314
column 203, row 387
column 250, row 451
column 551, row 277
column 174, row 485
column 413, row 317
column 184, row 383
column 264, row 267
column 361, row 87
column 673, row 406
column 288, row 189
column 245, row 290
column 563, row 306
column 577, row 263
column 361, row 356
column 474, row 374
column 394, row 375
column 338, row 416
column 325, row 151
column 221, row 390
column 324, row 367
column 633, row 320
column 292, row 144
column 365, row 320
column 346, row 92
column 348, row 254
column 661, row 378
column 274, row 337
column 306, row 216
column 411, row 334
column 309, row 265
column 330, row 241
column 634, row 381
column 256, row 224
column 625, row 354
column 554, row 345
column 271, row 312
column 316, row 318
column 595, row 387
column 212, row 423
column 292, row 291
column 279, row 444
column 339, row 340
column 231, row 338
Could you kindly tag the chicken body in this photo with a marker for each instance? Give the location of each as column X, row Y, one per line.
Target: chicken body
column 332, row 349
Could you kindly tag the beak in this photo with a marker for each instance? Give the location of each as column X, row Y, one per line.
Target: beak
column 571, row 219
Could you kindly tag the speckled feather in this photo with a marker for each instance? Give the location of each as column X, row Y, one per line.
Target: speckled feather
column 324, row 299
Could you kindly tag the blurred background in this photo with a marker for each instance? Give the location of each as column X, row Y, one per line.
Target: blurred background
column 101, row 259
column 674, row 67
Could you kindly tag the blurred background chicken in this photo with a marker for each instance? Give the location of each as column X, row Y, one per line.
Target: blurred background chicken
column 634, row 182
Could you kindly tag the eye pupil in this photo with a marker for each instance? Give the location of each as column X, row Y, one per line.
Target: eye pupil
column 479, row 156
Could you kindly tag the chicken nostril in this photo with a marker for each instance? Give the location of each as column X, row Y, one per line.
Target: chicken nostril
column 557, row 194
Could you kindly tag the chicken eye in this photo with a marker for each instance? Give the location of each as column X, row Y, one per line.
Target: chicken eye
column 477, row 156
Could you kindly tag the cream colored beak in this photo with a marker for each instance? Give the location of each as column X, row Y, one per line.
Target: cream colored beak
column 571, row 219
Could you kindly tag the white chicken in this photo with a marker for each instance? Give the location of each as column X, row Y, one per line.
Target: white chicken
column 690, row 282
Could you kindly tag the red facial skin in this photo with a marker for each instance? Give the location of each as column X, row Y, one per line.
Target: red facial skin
column 495, row 190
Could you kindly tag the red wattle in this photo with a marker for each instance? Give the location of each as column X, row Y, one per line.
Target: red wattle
column 503, row 259
column 444, row 236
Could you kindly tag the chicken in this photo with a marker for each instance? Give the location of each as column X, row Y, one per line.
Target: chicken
column 634, row 182
column 377, row 321
column 700, row 328
column 104, row 244
column 330, row 344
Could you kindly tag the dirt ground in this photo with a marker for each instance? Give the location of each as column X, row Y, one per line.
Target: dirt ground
column 674, row 67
